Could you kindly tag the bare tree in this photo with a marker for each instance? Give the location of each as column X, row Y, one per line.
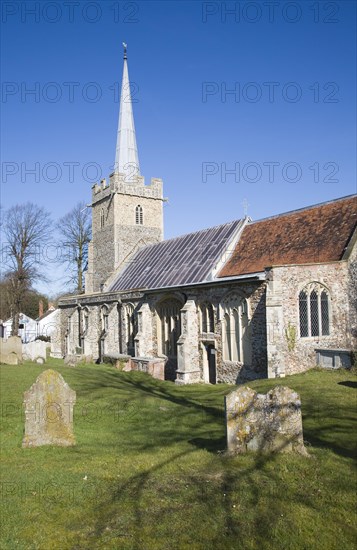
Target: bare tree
column 26, row 227
column 75, row 230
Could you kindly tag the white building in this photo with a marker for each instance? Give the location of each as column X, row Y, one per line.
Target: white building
column 47, row 323
column 27, row 330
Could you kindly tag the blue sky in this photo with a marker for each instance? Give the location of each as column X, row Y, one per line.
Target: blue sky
column 288, row 132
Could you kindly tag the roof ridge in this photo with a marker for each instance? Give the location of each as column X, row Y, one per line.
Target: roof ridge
column 290, row 212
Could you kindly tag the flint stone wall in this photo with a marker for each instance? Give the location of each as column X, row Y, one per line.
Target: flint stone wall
column 268, row 423
column 192, row 341
column 283, row 289
column 48, row 408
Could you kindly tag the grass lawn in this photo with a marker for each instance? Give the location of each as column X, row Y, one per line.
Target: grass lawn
column 148, row 472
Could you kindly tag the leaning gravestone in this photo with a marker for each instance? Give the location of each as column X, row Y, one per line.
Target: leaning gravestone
column 49, row 411
column 264, row 423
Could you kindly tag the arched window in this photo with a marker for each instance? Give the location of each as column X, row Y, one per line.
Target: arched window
column 314, row 311
column 85, row 319
column 227, row 348
column 235, row 323
column 206, row 317
column 130, row 328
column 101, row 218
column 104, row 317
column 169, row 326
column 139, row 215
column 79, row 326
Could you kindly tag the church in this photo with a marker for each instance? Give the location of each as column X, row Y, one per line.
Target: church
column 240, row 301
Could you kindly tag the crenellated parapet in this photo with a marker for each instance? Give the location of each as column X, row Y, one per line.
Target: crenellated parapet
column 136, row 188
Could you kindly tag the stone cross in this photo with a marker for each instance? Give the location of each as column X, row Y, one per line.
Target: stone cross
column 264, row 423
column 48, row 408
column 245, row 205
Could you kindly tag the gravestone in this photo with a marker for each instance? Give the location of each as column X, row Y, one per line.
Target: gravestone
column 264, row 423
column 11, row 350
column 35, row 350
column 49, row 411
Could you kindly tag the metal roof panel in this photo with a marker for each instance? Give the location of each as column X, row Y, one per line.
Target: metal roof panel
column 182, row 260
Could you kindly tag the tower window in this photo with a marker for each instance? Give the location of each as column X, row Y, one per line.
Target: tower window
column 139, row 215
column 102, row 218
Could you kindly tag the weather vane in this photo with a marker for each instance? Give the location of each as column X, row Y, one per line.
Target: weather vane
column 125, row 48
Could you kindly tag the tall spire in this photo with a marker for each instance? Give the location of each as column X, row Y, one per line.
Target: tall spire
column 126, row 155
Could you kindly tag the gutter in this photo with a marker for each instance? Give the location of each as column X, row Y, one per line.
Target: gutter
column 259, row 276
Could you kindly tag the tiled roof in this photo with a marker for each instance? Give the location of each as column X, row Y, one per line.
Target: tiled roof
column 175, row 262
column 311, row 235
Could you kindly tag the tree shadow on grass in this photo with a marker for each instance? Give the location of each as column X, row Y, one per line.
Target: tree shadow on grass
column 319, row 418
column 209, row 444
column 147, row 495
column 199, row 493
column 348, row 383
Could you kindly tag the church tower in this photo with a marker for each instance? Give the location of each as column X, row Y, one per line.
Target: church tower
column 126, row 213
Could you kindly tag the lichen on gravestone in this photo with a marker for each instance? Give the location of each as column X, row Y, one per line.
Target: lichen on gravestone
column 48, row 408
column 267, row 423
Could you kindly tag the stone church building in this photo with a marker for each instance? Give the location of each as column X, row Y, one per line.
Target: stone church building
column 243, row 300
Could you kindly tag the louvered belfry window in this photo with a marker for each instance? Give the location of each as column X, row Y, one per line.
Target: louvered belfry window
column 314, row 311
column 139, row 215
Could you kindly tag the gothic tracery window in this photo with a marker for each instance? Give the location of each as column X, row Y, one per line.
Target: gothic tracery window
column 131, row 327
column 79, row 326
column 139, row 215
column 314, row 311
column 104, row 316
column 169, row 326
column 234, row 329
column 206, row 317
column 85, row 319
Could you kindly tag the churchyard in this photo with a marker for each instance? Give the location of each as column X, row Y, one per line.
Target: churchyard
column 148, row 469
